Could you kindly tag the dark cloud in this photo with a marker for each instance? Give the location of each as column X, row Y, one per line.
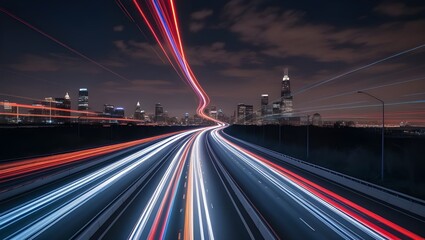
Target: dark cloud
column 287, row 33
column 202, row 14
column 118, row 28
column 396, row 9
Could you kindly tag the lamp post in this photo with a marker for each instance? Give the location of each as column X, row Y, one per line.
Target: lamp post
column 308, row 136
column 383, row 131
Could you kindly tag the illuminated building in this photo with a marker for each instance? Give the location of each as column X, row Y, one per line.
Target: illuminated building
column 186, row 119
column 159, row 113
column 83, row 99
column 264, row 103
column 139, row 114
column 276, row 107
column 63, row 103
column 244, row 113
column 108, row 109
column 119, row 112
column 285, row 94
column 213, row 112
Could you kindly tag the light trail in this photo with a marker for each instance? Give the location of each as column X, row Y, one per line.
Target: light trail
column 325, row 196
column 171, row 173
column 161, row 19
column 108, row 176
column 180, row 164
column 62, row 44
column 54, row 116
column 18, row 169
column 317, row 84
column 366, row 89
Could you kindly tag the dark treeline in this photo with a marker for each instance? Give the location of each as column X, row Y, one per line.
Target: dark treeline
column 352, row 151
column 26, row 141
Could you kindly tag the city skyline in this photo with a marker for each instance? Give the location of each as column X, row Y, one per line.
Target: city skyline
column 224, row 65
column 237, row 119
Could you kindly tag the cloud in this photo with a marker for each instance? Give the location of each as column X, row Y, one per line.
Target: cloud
column 140, row 50
column 53, row 63
column 196, row 26
column 396, row 9
column 216, row 53
column 118, row 28
column 151, row 86
column 198, row 18
column 286, row 33
column 202, row 14
column 35, row 63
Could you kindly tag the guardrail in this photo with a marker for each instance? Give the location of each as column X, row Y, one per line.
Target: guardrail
column 400, row 200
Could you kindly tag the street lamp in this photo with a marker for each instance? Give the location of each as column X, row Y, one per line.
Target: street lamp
column 383, row 129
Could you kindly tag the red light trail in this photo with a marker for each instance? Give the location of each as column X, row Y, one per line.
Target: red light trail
column 161, row 19
column 18, row 169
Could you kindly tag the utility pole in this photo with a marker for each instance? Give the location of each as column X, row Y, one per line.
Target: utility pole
column 308, row 136
column 382, row 132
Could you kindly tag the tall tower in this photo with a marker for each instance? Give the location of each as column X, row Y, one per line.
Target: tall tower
column 159, row 113
column 83, row 99
column 285, row 94
column 138, row 112
column 264, row 103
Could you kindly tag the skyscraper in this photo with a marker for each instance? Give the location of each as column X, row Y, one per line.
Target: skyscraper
column 244, row 113
column 264, row 103
column 249, row 113
column 83, row 99
column 138, row 112
column 159, row 113
column 240, row 113
column 285, row 94
column 64, row 103
column 119, row 112
column 108, row 109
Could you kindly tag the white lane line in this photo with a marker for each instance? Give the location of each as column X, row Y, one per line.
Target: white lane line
column 307, row 224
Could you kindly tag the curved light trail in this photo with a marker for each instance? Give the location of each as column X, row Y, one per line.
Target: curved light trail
column 161, row 19
column 184, row 179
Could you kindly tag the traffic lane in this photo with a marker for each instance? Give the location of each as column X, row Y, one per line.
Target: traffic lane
column 16, row 169
column 61, row 171
column 228, row 217
column 395, row 215
column 280, row 207
column 73, row 197
column 122, row 224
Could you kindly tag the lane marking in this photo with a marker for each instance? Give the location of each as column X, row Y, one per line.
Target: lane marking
column 307, row 224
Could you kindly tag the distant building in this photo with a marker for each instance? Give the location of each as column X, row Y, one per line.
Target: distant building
column 63, row 103
column 186, row 119
column 213, row 112
column 264, row 103
column 119, row 112
column 139, row 114
column 83, row 99
column 159, row 113
column 276, row 107
column 285, row 94
column 240, row 113
column 316, row 120
column 108, row 109
column 9, row 109
column 244, row 113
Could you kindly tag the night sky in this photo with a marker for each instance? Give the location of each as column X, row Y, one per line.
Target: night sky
column 237, row 49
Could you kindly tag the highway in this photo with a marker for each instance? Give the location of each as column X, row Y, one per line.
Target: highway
column 196, row 184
